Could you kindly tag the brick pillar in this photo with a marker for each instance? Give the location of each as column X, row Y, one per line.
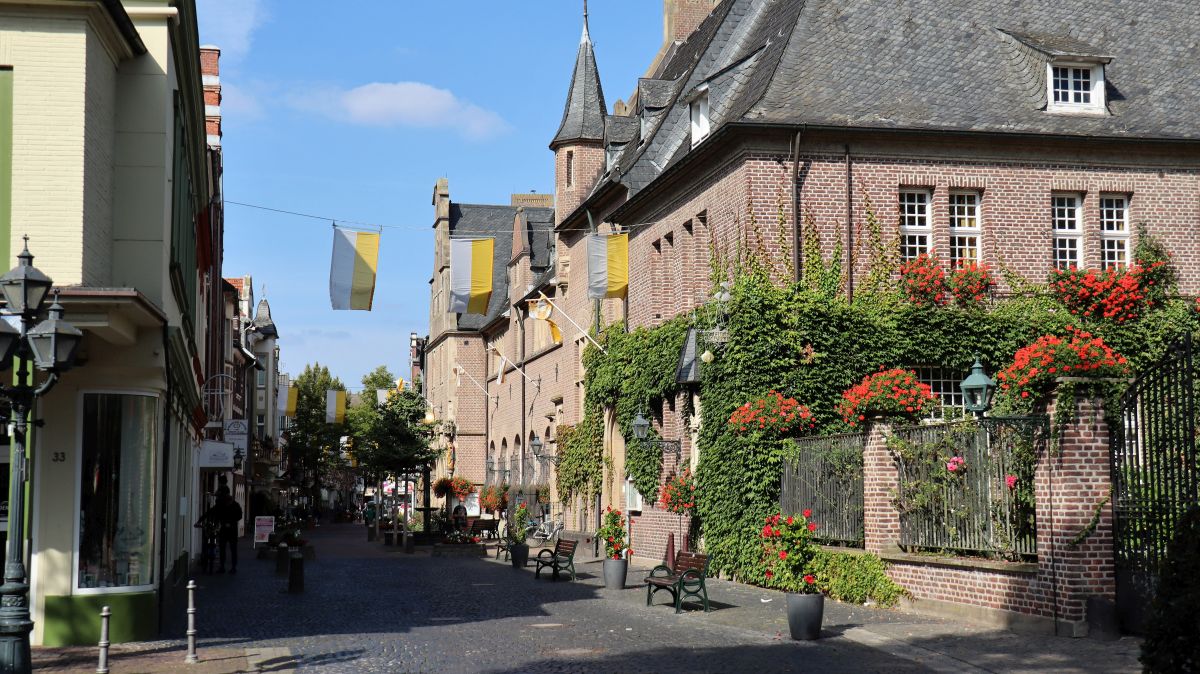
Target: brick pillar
column 881, row 479
column 1071, row 483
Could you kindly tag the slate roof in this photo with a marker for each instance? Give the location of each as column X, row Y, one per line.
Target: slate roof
column 480, row 221
column 583, row 115
column 262, row 320
column 978, row 67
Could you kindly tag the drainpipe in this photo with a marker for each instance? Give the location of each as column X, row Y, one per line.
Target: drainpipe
column 797, row 230
column 163, row 498
column 524, row 383
column 849, row 228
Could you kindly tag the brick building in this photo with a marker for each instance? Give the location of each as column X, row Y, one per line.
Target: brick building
column 1022, row 135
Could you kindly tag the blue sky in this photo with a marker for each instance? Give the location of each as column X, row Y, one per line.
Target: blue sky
column 354, row 113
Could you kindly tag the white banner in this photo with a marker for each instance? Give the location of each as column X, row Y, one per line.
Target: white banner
column 215, row 454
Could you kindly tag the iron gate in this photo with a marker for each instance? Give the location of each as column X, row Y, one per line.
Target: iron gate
column 1155, row 474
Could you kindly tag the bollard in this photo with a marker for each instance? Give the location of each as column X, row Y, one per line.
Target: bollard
column 370, row 533
column 102, row 666
column 281, row 559
column 191, row 627
column 388, row 537
column 296, row 572
column 408, row 542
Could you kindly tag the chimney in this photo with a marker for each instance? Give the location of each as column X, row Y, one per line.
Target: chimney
column 210, row 72
column 681, row 18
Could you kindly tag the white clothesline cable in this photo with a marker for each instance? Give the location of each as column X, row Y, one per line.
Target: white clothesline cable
column 572, row 320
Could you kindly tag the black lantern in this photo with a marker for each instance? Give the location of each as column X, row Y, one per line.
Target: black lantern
column 536, row 446
column 25, row 286
column 641, row 427
column 238, row 457
column 977, row 389
column 53, row 341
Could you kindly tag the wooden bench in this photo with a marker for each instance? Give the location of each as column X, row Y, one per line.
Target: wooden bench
column 484, row 528
column 561, row 559
column 685, row 579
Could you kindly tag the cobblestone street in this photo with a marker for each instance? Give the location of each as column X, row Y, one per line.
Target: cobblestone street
column 367, row 608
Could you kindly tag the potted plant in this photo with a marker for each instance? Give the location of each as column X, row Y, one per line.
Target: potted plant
column 516, row 537
column 443, row 487
column 787, row 551
column 616, row 563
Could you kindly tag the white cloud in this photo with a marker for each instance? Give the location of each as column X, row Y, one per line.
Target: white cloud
column 238, row 103
column 413, row 104
column 230, row 24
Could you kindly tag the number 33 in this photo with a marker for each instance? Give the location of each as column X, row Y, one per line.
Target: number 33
column 58, row 457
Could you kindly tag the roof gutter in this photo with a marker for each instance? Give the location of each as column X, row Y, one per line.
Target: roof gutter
column 125, row 25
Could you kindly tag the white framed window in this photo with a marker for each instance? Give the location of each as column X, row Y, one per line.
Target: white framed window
column 701, row 124
column 1075, row 87
column 260, row 379
column 633, row 498
column 964, row 228
column 944, row 383
column 116, row 488
column 915, row 227
column 1067, row 216
column 1114, row 231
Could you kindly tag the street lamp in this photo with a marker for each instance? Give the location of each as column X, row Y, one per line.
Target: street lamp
column 537, row 446
column 641, row 431
column 49, row 346
column 977, row 389
column 238, row 457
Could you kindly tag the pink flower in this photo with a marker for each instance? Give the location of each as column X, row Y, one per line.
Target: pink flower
column 1011, row 481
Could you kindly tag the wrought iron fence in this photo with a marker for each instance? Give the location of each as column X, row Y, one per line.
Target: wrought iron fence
column 968, row 487
column 826, row 476
column 1155, row 472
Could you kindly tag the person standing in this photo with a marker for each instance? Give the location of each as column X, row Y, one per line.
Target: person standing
column 224, row 515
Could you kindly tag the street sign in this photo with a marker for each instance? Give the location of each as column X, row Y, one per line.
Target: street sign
column 263, row 528
column 237, row 431
column 215, row 454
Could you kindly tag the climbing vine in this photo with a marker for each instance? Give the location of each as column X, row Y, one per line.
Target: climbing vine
column 580, row 469
column 635, row 373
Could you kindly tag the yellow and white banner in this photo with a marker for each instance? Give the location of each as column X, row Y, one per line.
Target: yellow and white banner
column 287, row 400
column 542, row 310
column 382, row 395
column 352, row 272
column 608, row 265
column 335, row 407
column 470, row 275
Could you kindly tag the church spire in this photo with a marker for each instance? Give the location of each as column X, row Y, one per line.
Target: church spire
column 583, row 115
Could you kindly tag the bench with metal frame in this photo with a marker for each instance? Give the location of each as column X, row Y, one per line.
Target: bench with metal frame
column 685, row 579
column 562, row 558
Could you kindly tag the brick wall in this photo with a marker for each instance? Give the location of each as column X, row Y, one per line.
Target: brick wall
column 586, row 165
column 1070, row 484
column 653, row 529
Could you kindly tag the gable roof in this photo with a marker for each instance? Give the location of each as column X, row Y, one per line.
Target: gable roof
column 914, row 65
column 583, row 114
column 482, row 221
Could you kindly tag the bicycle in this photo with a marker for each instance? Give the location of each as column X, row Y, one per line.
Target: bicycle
column 544, row 532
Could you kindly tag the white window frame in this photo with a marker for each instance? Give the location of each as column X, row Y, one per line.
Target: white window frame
column 1066, row 234
column 1114, row 231
column 698, row 111
column 155, row 495
column 910, row 228
column 957, row 229
column 944, row 383
column 633, row 497
column 1094, row 93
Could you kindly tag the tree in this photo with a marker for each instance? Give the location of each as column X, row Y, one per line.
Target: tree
column 314, row 446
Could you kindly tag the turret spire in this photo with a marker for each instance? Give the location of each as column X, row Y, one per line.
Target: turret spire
column 583, row 116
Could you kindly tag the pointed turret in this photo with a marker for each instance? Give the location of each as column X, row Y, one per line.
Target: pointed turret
column 579, row 144
column 583, row 115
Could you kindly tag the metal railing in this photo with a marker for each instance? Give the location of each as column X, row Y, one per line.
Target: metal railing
column 826, row 477
column 985, row 505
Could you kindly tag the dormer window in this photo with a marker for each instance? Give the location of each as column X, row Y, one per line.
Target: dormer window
column 700, row 121
column 1075, row 87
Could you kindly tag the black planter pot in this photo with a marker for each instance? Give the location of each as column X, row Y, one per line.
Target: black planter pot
column 370, row 533
column 805, row 612
column 615, row 571
column 520, row 555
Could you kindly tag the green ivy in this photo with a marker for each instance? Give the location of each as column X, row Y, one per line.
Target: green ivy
column 635, row 373
column 580, row 468
column 855, row 578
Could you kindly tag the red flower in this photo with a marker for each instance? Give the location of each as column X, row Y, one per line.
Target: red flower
column 810, row 579
column 789, row 520
column 807, row 513
column 812, row 526
column 770, row 574
column 783, row 554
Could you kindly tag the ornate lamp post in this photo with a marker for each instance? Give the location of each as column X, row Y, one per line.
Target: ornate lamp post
column 50, row 347
column 977, row 389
